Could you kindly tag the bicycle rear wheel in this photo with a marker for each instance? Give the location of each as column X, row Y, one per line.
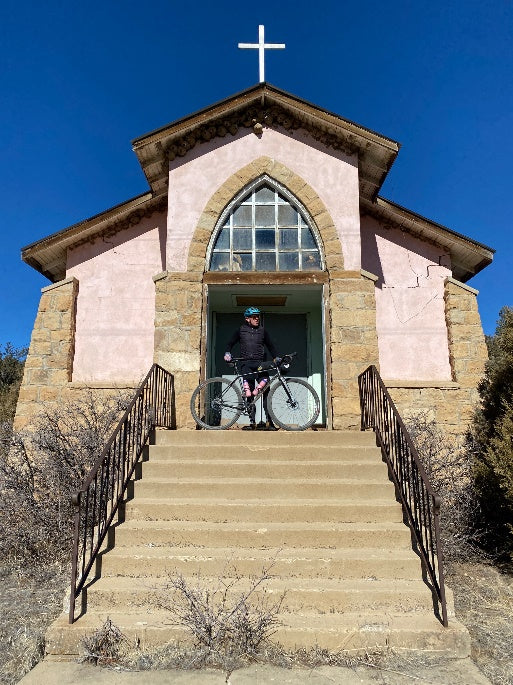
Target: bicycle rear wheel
column 294, row 408
column 216, row 404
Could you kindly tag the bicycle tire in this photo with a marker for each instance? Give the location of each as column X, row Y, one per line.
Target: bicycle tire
column 216, row 404
column 299, row 414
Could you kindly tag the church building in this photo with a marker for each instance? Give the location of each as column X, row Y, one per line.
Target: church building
column 261, row 199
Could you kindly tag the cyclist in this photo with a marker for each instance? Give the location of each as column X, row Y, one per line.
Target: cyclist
column 253, row 339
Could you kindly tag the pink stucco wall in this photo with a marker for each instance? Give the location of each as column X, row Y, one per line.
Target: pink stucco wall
column 195, row 178
column 410, row 314
column 116, row 302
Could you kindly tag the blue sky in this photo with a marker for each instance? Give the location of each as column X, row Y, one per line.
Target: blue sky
column 79, row 81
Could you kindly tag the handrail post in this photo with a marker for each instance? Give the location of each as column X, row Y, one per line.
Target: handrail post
column 75, row 500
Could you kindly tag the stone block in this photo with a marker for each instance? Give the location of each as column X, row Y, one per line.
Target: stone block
column 52, row 321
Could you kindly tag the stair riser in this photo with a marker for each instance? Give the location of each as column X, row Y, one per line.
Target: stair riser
column 353, row 641
column 295, row 600
column 395, row 539
column 268, row 453
column 293, row 568
column 228, row 489
column 258, row 438
column 264, row 513
column 264, row 469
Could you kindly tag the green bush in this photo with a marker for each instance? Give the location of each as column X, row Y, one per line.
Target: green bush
column 491, row 440
column 12, row 360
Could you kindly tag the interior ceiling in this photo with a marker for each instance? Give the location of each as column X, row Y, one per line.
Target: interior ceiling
column 276, row 298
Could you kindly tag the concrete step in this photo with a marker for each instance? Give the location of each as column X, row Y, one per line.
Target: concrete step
column 288, row 563
column 271, row 535
column 263, row 511
column 259, row 438
column 351, row 632
column 300, row 594
column 258, row 488
column 265, row 452
column 262, row 468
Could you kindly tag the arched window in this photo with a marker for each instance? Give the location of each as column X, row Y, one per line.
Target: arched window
column 265, row 230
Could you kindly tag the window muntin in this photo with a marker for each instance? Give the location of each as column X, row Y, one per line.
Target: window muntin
column 264, row 231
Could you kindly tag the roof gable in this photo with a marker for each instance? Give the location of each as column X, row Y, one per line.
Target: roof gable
column 266, row 106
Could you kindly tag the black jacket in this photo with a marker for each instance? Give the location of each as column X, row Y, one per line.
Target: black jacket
column 252, row 341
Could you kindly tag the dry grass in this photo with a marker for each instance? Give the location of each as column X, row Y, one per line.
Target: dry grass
column 28, row 604
column 483, row 598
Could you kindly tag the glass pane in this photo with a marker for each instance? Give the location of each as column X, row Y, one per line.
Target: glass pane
column 220, row 261
column 242, row 262
column 265, row 238
column 287, row 216
column 241, row 239
column 265, row 261
column 242, row 216
column 311, row 261
column 282, row 200
column 264, row 195
column 264, row 215
column 223, row 240
column 288, row 238
column 289, row 261
column 307, row 239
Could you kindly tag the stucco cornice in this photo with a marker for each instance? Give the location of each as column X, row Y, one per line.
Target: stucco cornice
column 468, row 256
column 256, row 109
column 48, row 256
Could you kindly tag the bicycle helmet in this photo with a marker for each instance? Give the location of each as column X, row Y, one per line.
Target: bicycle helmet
column 251, row 311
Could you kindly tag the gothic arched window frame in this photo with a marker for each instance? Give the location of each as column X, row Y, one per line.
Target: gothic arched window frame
column 244, row 249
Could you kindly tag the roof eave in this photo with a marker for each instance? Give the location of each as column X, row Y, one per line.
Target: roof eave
column 468, row 256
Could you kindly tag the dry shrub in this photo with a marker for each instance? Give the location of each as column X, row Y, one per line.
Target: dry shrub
column 106, row 646
column 448, row 465
column 42, row 467
column 228, row 625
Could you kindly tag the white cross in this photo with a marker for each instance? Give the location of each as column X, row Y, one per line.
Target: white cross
column 262, row 46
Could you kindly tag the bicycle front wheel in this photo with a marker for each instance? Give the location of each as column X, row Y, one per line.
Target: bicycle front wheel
column 216, row 404
column 293, row 404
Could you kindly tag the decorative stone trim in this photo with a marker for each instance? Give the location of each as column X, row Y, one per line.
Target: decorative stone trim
column 448, row 385
column 155, row 205
column 256, row 118
column 464, row 286
column 49, row 362
column 295, row 184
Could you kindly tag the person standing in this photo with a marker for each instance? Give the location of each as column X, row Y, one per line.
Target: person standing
column 253, row 340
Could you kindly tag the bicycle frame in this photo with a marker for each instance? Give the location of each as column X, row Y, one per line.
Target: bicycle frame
column 272, row 367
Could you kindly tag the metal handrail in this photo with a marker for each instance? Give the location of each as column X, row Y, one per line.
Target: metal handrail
column 420, row 502
column 98, row 499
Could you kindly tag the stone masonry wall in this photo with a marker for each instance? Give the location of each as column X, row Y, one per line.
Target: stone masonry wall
column 354, row 342
column 178, row 311
column 49, row 362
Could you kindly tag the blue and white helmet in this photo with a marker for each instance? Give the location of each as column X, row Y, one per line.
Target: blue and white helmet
column 251, row 311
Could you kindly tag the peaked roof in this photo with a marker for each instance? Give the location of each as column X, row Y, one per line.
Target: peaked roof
column 261, row 105
column 265, row 104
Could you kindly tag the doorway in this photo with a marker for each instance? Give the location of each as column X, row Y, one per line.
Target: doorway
column 294, row 321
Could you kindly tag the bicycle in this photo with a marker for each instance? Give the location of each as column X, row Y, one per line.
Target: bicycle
column 292, row 403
